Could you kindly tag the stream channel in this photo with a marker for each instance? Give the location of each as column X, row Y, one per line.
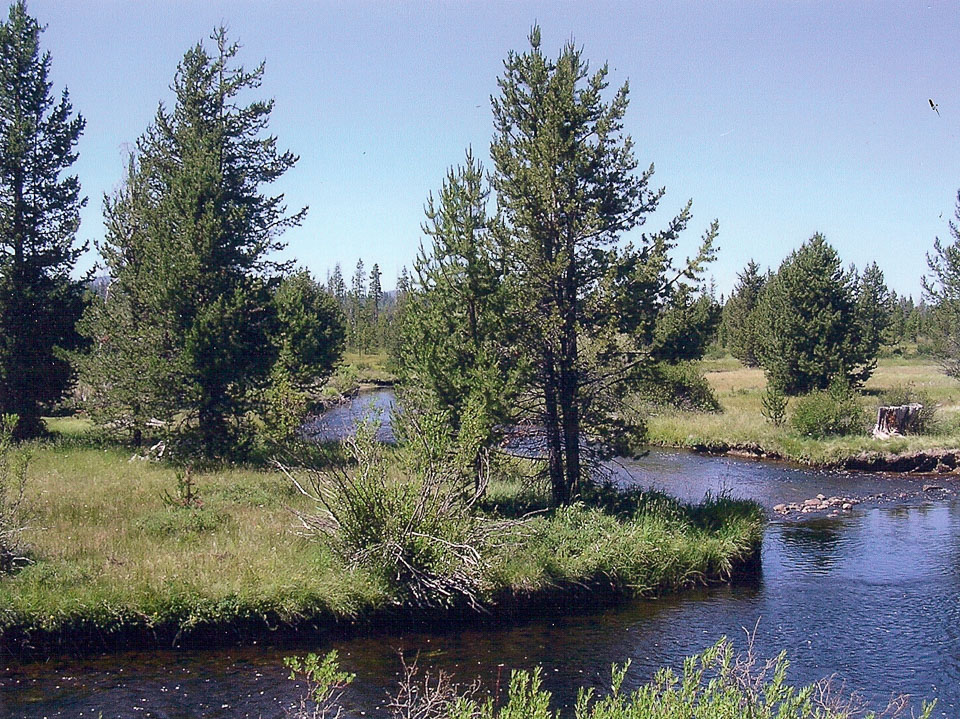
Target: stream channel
column 871, row 597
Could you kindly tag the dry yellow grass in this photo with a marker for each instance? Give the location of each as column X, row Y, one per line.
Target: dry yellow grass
column 739, row 390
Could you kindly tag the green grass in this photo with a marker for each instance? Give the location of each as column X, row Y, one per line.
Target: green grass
column 111, row 557
column 358, row 371
column 741, row 423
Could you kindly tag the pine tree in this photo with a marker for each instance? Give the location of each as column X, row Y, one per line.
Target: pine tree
column 738, row 318
column 188, row 246
column 375, row 293
column 355, row 302
column 942, row 290
column 454, row 332
column 875, row 309
column 565, row 176
column 810, row 331
column 39, row 218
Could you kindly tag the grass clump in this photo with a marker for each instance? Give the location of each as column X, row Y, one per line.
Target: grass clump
column 644, row 545
column 716, row 683
column 13, row 507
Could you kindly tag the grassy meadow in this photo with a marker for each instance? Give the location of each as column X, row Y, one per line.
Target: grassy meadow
column 741, row 424
column 111, row 559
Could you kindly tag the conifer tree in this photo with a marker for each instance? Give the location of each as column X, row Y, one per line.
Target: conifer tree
column 874, row 312
column 454, row 329
column 375, row 293
column 942, row 289
column 810, row 330
column 39, row 218
column 190, row 313
column 738, row 318
column 566, row 179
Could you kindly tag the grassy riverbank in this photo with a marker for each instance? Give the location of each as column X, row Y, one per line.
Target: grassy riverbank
column 111, row 560
column 741, row 424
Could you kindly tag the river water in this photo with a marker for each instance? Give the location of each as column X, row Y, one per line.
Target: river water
column 872, row 597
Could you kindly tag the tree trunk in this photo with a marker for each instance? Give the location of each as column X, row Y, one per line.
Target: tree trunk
column 551, row 421
column 896, row 420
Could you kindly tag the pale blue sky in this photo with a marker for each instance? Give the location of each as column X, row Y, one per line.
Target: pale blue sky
column 778, row 118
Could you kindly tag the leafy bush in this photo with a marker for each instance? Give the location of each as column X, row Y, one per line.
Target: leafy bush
column 13, row 483
column 325, row 684
column 925, row 421
column 832, row 412
column 715, row 683
column 681, row 385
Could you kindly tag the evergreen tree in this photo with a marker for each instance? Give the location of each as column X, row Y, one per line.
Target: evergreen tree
column 942, row 289
column 874, row 311
column 454, row 333
column 738, row 318
column 355, row 303
column 565, row 176
column 810, row 330
column 375, row 293
column 39, row 218
column 337, row 288
column 189, row 239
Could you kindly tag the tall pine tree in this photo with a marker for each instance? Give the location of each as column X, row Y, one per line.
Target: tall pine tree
column 39, row 218
column 740, row 323
column 190, row 311
column 566, row 179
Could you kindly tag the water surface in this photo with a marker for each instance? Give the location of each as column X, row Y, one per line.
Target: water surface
column 872, row 597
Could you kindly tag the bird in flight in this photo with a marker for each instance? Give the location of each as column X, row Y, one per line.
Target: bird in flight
column 934, row 107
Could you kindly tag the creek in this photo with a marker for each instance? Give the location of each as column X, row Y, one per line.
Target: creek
column 871, row 597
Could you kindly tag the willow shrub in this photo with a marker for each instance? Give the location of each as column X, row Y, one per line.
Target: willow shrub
column 714, row 684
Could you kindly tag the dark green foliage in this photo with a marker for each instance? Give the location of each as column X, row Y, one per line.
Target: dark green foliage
column 310, row 330
column 739, row 321
column 686, row 325
column 942, row 289
column 875, row 307
column 454, row 333
column 39, row 217
column 835, row 411
column 681, row 385
column 567, row 182
column 192, row 329
column 810, row 323
column 773, row 404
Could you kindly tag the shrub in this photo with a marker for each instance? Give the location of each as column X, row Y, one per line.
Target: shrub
column 13, row 483
column 774, row 405
column 417, row 534
column 832, row 412
column 715, row 683
column 325, row 684
column 681, row 385
column 925, row 421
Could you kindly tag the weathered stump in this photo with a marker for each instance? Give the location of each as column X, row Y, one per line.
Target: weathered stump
column 898, row 420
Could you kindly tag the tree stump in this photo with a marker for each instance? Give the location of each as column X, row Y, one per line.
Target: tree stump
column 896, row 420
